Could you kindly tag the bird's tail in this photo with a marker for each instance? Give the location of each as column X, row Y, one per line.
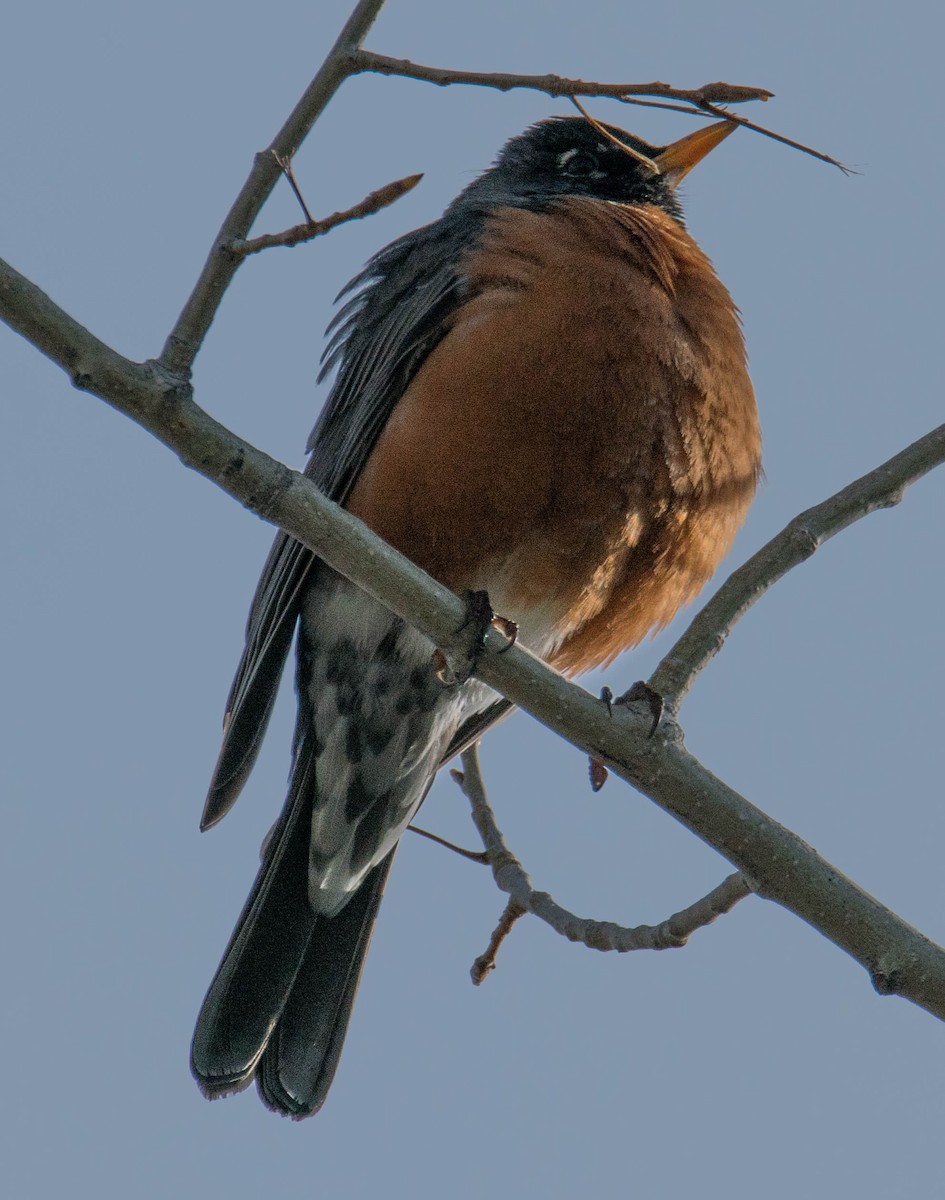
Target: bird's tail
column 279, row 1004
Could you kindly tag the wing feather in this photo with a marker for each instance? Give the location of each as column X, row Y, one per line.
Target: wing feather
column 399, row 311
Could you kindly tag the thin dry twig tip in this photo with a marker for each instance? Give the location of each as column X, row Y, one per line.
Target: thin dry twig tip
column 716, row 111
column 476, row 856
column 643, row 159
column 486, row 962
column 285, row 166
column 733, row 93
column 378, row 199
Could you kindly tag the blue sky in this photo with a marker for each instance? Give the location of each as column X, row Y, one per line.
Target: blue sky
column 757, row 1061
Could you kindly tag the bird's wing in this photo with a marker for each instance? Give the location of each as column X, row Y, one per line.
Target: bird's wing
column 397, row 311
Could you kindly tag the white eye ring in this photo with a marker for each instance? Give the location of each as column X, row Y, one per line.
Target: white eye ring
column 567, row 156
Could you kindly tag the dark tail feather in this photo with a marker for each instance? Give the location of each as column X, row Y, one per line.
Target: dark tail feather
column 300, row 1060
column 255, row 976
column 287, row 979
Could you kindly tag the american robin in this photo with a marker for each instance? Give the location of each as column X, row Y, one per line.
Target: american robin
column 542, row 395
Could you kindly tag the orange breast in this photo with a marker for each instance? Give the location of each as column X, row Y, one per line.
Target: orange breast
column 583, row 443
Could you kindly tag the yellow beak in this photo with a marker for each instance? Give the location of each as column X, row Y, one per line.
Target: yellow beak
column 678, row 159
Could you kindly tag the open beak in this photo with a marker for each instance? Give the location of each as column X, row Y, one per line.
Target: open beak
column 677, row 160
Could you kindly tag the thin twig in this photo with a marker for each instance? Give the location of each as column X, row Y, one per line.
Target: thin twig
column 706, row 110
column 476, row 856
column 373, row 203
column 512, row 878
column 703, row 101
column 713, row 110
column 710, row 111
column 554, row 85
column 485, row 963
column 185, row 339
column 285, row 166
column 800, row 538
column 645, row 161
column 683, row 108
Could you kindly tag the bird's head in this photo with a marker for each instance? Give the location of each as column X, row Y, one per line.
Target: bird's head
column 572, row 156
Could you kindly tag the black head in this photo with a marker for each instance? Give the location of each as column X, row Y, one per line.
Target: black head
column 568, row 156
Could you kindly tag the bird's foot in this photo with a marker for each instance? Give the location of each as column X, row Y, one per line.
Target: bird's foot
column 597, row 772
column 452, row 670
column 642, row 691
column 639, row 691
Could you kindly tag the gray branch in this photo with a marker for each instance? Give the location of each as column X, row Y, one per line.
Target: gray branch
column 311, row 228
column 185, row 339
column 699, row 102
column 882, row 488
column 512, row 878
column 555, row 85
column 778, row 864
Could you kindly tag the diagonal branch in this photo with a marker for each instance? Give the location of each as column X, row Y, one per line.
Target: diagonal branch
column 512, row 878
column 778, row 863
column 880, row 488
column 185, row 339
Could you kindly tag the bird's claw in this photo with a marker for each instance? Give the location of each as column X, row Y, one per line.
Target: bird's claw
column 597, row 772
column 480, row 618
column 642, row 691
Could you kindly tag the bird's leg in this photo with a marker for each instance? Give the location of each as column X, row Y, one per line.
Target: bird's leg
column 479, row 616
column 639, row 691
column 455, row 669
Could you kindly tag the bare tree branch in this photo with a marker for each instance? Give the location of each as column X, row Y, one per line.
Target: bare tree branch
column 485, row 963
column 699, row 102
column 476, row 856
column 285, row 165
column 555, row 85
column 185, row 339
column 512, row 878
column 305, row 232
column 779, row 864
column 881, row 488
column 713, row 110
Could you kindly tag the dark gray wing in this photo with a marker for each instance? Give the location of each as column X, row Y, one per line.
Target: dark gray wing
column 397, row 312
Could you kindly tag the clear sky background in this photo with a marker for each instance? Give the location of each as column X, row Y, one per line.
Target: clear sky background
column 755, row 1062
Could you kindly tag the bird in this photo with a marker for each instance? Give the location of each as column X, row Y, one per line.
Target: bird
column 542, row 396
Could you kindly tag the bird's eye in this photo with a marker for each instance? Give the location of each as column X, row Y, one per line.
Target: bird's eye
column 579, row 163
